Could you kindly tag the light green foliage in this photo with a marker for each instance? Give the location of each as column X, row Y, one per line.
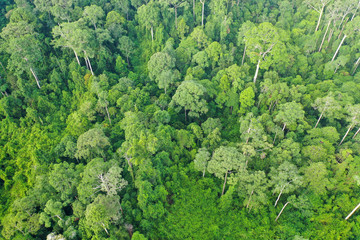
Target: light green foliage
column 161, row 70
column 102, row 213
column 94, row 14
column 225, row 159
column 126, row 46
column 289, row 114
column 201, row 160
column 246, row 99
column 285, row 178
column 101, row 149
column 189, row 95
column 316, row 175
column 91, row 144
column 253, row 187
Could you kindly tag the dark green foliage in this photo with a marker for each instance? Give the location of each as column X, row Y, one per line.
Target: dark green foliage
column 179, row 119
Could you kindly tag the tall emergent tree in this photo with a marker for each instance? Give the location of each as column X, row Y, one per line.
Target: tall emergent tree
column 264, row 45
column 226, row 160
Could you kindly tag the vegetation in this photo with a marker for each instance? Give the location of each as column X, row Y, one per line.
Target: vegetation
column 179, row 119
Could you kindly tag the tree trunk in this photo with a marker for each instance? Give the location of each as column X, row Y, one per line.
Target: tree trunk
column 92, row 73
column 356, row 133
column 323, row 40
column 281, row 211
column 337, row 50
column 77, row 58
column 185, row 114
column 284, row 127
column 223, row 190
column 248, row 131
column 356, row 65
column 36, row 78
column 194, row 17
column 252, row 192
column 342, row 29
column 321, row 12
column 352, row 212
column 105, row 229
column 242, row 61
column 87, row 64
column 319, row 118
column 278, row 198
column 357, row 7
column 204, row 172
column 127, row 60
column 330, row 35
column 202, row 12
column 351, row 126
column 175, row 8
column 152, row 33
column 257, row 70
column 108, row 114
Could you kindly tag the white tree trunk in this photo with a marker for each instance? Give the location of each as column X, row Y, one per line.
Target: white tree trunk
column 105, row 229
column 351, row 126
column 108, row 115
column 321, row 12
column 175, row 9
column 278, row 198
column 323, row 40
column 223, row 190
column 36, row 78
column 242, row 61
column 281, row 211
column 92, row 73
column 284, row 127
column 152, row 33
column 77, row 58
column 356, row 133
column 202, row 12
column 337, row 50
column 357, row 7
column 252, row 192
column 319, row 118
column 352, row 212
column 257, row 70
column 356, row 65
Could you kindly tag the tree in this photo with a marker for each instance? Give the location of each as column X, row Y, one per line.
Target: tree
column 111, row 182
column 174, row 4
column 285, row 179
column 148, row 16
column 94, row 14
column 23, row 46
column 353, row 118
column 316, row 175
column 246, row 99
column 225, row 160
column 254, row 186
column 91, row 144
column 264, row 44
column 289, row 113
column 327, row 106
column 161, row 69
column 350, row 29
column 126, row 47
column 318, row 6
column 201, row 160
column 102, row 213
column 189, row 96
